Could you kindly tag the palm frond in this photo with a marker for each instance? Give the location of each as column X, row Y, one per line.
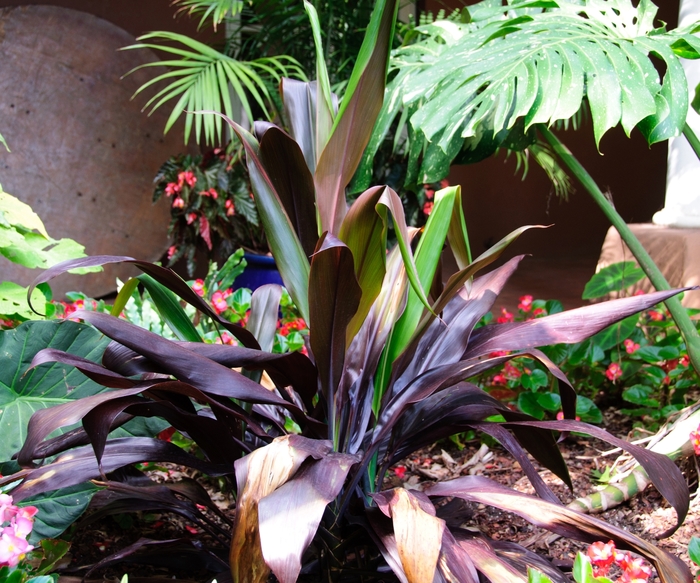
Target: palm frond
column 217, row 10
column 203, row 78
column 545, row 158
column 523, row 61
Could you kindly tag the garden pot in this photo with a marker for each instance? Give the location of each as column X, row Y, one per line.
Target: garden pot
column 261, row 269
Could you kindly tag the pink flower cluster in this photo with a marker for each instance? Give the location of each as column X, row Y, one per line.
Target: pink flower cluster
column 292, row 326
column 613, row 372
column 13, row 538
column 695, row 440
column 604, row 555
column 218, row 299
column 175, row 188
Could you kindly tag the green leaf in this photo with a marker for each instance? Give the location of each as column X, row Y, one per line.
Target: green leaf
column 19, row 214
column 640, row 395
column 170, row 309
column 587, row 410
column 504, row 65
column 203, row 79
column 13, row 301
column 217, row 10
column 549, row 401
column 694, row 550
column 356, row 117
column 616, row 334
column 53, row 551
column 528, row 404
column 58, row 510
column 613, row 278
column 534, row 576
column 534, row 380
column 23, row 391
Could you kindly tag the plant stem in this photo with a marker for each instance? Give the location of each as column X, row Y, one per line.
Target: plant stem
column 692, row 139
column 678, row 312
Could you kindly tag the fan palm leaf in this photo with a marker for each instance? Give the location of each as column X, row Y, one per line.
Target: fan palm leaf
column 217, row 10
column 203, row 78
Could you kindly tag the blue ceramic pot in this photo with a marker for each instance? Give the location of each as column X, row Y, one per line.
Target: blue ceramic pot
column 261, row 269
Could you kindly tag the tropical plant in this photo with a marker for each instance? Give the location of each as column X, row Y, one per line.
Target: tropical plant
column 503, row 74
column 385, row 377
column 211, row 204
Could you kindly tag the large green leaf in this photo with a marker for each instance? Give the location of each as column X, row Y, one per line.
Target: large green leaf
column 13, row 301
column 23, row 392
column 538, row 65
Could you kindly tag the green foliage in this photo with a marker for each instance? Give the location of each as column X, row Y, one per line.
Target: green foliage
column 212, row 208
column 217, row 10
column 640, row 362
column 614, row 278
column 203, row 78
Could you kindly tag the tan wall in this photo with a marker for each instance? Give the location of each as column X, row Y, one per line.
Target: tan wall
column 135, row 16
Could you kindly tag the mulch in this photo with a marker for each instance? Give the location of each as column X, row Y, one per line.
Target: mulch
column 646, row 515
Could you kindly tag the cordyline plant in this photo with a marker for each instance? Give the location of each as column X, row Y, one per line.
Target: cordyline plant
column 387, row 374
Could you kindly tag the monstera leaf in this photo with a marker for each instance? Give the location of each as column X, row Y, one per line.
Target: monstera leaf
column 23, row 392
column 536, row 61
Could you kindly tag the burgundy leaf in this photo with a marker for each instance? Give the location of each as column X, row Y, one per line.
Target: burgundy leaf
column 561, row 520
column 90, row 369
column 289, row 517
column 383, row 535
column 290, row 177
column 664, row 474
column 566, row 327
column 79, row 465
column 353, row 128
column 264, row 309
column 334, row 296
column 455, row 564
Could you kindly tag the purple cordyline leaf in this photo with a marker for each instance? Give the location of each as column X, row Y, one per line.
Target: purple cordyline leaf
column 488, row 562
column 565, row 327
column 466, row 406
column 64, row 266
column 79, row 465
column 446, row 339
column 293, row 182
column 45, row 421
column 363, row 355
column 153, row 497
column 382, row 532
column 442, row 377
column 196, row 370
column 521, row 558
column 561, row 520
column 454, row 564
column 334, row 296
column 299, row 99
column 458, row 280
column 290, row 369
column 355, row 121
column 662, row 471
column 182, row 553
column 162, row 275
column 292, row 262
column 364, row 231
column 289, row 517
column 92, row 370
column 417, row 531
column 264, row 310
column 215, row 438
column 258, row 475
